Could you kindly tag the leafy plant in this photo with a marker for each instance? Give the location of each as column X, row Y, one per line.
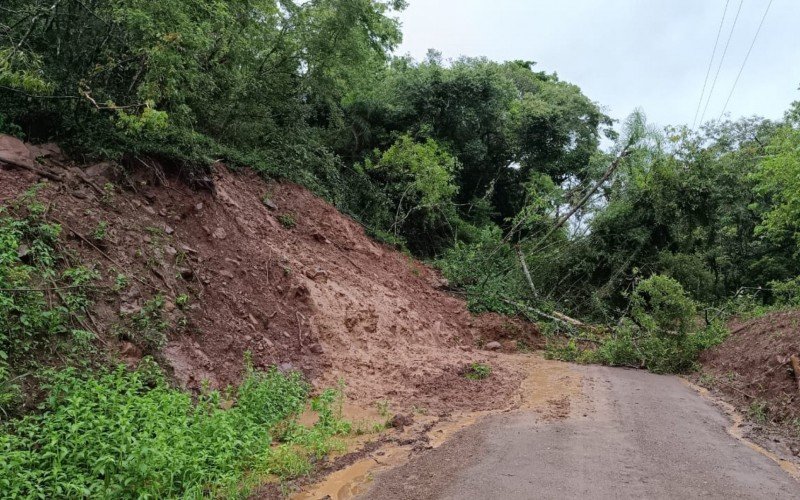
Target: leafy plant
column 478, row 371
column 100, row 231
column 287, row 220
column 129, row 434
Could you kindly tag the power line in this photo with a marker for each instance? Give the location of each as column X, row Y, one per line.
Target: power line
column 722, row 59
column 711, row 62
column 755, row 37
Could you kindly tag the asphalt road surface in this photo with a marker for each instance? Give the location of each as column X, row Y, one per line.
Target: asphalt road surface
column 631, row 435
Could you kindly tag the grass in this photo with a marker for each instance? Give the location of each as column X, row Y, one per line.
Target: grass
column 287, row 220
column 478, row 371
column 126, row 434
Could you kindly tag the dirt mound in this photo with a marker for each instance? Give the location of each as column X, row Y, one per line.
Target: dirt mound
column 752, row 366
column 271, row 269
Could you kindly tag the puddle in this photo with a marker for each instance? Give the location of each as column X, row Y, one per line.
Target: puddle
column 547, row 385
column 736, row 429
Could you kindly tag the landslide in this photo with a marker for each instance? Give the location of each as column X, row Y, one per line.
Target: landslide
column 752, row 370
column 271, row 269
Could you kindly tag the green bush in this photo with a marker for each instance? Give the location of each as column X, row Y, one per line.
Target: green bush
column 660, row 306
column 660, row 333
column 121, row 434
column 41, row 299
column 478, row 371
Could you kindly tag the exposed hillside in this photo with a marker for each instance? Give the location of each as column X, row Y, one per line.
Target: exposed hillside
column 271, row 269
column 753, row 369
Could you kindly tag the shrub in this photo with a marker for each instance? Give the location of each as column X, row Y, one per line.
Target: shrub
column 659, row 334
column 478, row 371
column 128, row 434
column 660, row 306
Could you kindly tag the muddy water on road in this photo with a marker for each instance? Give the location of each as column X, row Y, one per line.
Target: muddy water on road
column 549, row 388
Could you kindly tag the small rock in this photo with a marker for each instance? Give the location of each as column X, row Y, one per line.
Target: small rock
column 226, row 274
column 316, row 349
column 285, row 367
column 13, row 151
column 252, row 319
column 22, row 251
column 219, row 233
column 493, row 346
column 47, row 150
column 269, row 342
column 171, row 251
column 162, row 213
column 198, row 207
column 270, row 204
column 400, row 421
column 150, row 210
column 102, row 170
column 168, row 229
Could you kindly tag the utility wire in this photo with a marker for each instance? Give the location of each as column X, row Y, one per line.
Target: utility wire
column 710, row 63
column 755, row 37
column 722, row 59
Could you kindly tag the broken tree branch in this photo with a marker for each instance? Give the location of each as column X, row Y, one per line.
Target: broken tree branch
column 553, row 316
column 43, row 173
column 527, row 272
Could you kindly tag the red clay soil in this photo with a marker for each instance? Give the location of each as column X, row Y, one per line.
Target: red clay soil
column 752, row 365
column 290, row 279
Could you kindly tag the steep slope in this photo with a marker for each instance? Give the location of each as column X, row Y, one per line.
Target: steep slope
column 752, row 366
column 271, row 269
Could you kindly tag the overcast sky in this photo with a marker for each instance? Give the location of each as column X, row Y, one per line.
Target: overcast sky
column 625, row 54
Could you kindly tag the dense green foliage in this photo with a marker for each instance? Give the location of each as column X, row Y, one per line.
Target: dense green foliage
column 121, row 434
column 42, row 296
column 660, row 333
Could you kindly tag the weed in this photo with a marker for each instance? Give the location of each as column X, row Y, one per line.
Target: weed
column 523, row 347
column 478, row 371
column 707, row 379
column 383, row 408
column 108, row 193
column 287, row 220
column 758, row 411
column 182, row 301
column 147, row 326
column 121, row 282
column 125, row 434
column 419, row 410
column 41, row 300
column 100, row 231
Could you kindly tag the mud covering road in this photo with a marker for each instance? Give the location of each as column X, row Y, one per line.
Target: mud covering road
column 630, row 435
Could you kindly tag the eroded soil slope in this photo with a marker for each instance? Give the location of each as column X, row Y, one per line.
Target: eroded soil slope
column 272, row 269
column 752, row 365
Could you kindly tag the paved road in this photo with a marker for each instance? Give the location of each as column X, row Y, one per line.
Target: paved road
column 632, row 435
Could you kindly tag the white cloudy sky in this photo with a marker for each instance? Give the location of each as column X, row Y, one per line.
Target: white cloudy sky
column 626, row 54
